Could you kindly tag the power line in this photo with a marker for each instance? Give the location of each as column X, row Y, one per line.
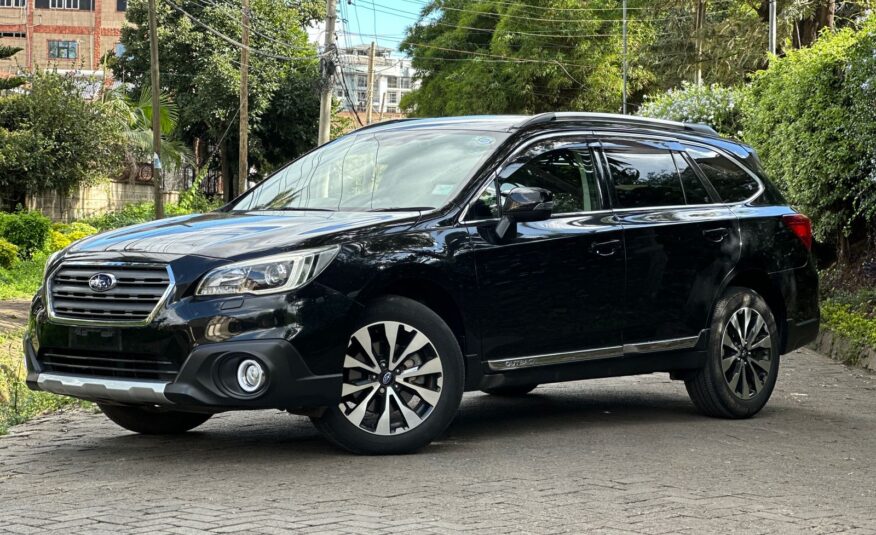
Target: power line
column 507, row 15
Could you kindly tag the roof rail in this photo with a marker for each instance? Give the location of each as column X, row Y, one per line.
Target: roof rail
column 382, row 123
column 572, row 116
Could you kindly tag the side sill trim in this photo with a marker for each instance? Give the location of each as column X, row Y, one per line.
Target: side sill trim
column 96, row 388
column 551, row 359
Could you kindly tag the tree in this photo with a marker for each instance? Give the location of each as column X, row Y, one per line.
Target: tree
column 13, row 81
column 53, row 139
column 201, row 69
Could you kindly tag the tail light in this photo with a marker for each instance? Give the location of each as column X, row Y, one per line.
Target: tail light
column 801, row 226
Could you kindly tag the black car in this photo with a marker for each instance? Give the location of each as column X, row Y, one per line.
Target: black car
column 371, row 282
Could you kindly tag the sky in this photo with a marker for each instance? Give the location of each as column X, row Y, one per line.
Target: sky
column 360, row 20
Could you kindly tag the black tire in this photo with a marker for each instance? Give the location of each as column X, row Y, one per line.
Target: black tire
column 712, row 389
column 510, row 391
column 341, row 431
column 149, row 421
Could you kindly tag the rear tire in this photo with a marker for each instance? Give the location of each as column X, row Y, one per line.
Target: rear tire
column 742, row 362
column 511, row 391
column 403, row 379
column 147, row 421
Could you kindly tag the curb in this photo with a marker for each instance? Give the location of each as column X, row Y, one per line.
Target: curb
column 843, row 349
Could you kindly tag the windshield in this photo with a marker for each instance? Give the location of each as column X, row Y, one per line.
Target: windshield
column 410, row 169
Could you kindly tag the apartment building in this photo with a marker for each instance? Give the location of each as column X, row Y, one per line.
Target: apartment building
column 61, row 34
column 393, row 78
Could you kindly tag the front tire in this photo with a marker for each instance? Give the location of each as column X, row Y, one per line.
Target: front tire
column 742, row 361
column 148, row 421
column 403, row 379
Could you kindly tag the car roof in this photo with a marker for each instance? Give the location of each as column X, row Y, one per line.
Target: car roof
column 512, row 123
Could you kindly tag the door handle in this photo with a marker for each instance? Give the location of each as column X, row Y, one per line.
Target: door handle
column 716, row 235
column 605, row 248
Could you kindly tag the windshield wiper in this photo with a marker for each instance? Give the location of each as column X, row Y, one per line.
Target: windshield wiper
column 293, row 209
column 403, row 209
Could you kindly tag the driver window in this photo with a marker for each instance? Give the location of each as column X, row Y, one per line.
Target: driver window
column 568, row 174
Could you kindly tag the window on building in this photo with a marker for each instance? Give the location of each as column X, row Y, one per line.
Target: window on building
column 392, row 82
column 119, row 49
column 121, row 5
column 405, row 83
column 63, row 4
column 63, row 49
column 361, row 82
column 12, row 3
column 392, row 97
column 361, row 95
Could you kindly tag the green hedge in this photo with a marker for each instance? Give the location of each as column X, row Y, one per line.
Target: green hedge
column 26, row 230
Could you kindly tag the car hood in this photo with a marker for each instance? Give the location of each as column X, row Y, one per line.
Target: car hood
column 232, row 234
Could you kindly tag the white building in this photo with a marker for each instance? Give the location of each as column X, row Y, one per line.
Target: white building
column 393, row 77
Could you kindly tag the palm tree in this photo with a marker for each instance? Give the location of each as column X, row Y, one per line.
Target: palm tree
column 136, row 118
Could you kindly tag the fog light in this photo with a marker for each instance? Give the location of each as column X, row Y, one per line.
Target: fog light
column 250, row 375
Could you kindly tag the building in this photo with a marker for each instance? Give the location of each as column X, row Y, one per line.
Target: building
column 393, row 78
column 61, row 34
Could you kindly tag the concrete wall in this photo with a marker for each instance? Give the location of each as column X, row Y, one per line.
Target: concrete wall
column 91, row 200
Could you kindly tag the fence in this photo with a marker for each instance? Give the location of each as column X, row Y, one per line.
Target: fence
column 91, row 200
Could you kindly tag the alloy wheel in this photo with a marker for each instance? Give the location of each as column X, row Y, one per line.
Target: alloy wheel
column 746, row 353
column 392, row 378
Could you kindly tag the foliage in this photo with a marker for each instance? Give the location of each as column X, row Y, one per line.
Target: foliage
column 26, row 230
column 17, row 402
column 53, row 139
column 500, row 57
column 811, row 118
column 843, row 320
column 23, row 279
column 201, row 70
column 135, row 213
column 8, row 254
column 717, row 106
column 13, row 81
column 63, row 235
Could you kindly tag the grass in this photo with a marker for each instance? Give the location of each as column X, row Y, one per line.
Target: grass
column 22, row 280
column 18, row 403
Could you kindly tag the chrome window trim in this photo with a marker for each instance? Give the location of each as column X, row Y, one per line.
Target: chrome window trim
column 171, row 286
column 571, row 357
column 596, row 134
column 570, row 133
column 736, row 162
column 98, row 388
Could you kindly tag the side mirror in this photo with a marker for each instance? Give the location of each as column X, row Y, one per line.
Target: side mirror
column 525, row 204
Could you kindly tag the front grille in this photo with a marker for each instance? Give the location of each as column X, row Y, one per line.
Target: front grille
column 138, row 291
column 109, row 364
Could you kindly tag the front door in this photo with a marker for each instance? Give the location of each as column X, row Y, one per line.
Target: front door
column 551, row 287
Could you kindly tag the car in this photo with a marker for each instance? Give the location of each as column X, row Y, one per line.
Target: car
column 374, row 280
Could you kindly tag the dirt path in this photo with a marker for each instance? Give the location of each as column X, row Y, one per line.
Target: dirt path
column 13, row 315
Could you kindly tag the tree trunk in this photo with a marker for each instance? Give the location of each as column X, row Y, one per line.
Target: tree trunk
column 806, row 30
column 196, row 152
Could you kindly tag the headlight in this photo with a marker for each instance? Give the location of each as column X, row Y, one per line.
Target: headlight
column 278, row 273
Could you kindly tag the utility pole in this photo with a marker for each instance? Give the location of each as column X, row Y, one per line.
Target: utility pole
column 700, row 22
column 382, row 106
column 626, row 66
column 156, row 113
column 772, row 45
column 243, row 159
column 325, row 101
column 369, row 93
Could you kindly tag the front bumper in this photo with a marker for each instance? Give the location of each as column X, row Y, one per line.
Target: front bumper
column 205, row 382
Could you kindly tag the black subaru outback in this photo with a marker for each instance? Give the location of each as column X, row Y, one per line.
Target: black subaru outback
column 371, row 282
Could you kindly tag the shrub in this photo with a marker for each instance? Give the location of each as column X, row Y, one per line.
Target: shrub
column 8, row 254
column 136, row 213
column 27, row 230
column 811, row 117
column 714, row 105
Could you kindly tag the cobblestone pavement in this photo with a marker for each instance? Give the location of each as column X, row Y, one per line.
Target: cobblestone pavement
column 610, row 456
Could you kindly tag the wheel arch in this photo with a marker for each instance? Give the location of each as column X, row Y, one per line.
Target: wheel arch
column 760, row 282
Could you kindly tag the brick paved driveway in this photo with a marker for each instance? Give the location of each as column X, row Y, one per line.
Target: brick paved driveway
column 614, row 456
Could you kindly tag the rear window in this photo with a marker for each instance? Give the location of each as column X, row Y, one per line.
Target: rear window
column 731, row 182
column 644, row 177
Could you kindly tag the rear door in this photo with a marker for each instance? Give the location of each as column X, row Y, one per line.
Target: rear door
column 680, row 241
column 549, row 287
